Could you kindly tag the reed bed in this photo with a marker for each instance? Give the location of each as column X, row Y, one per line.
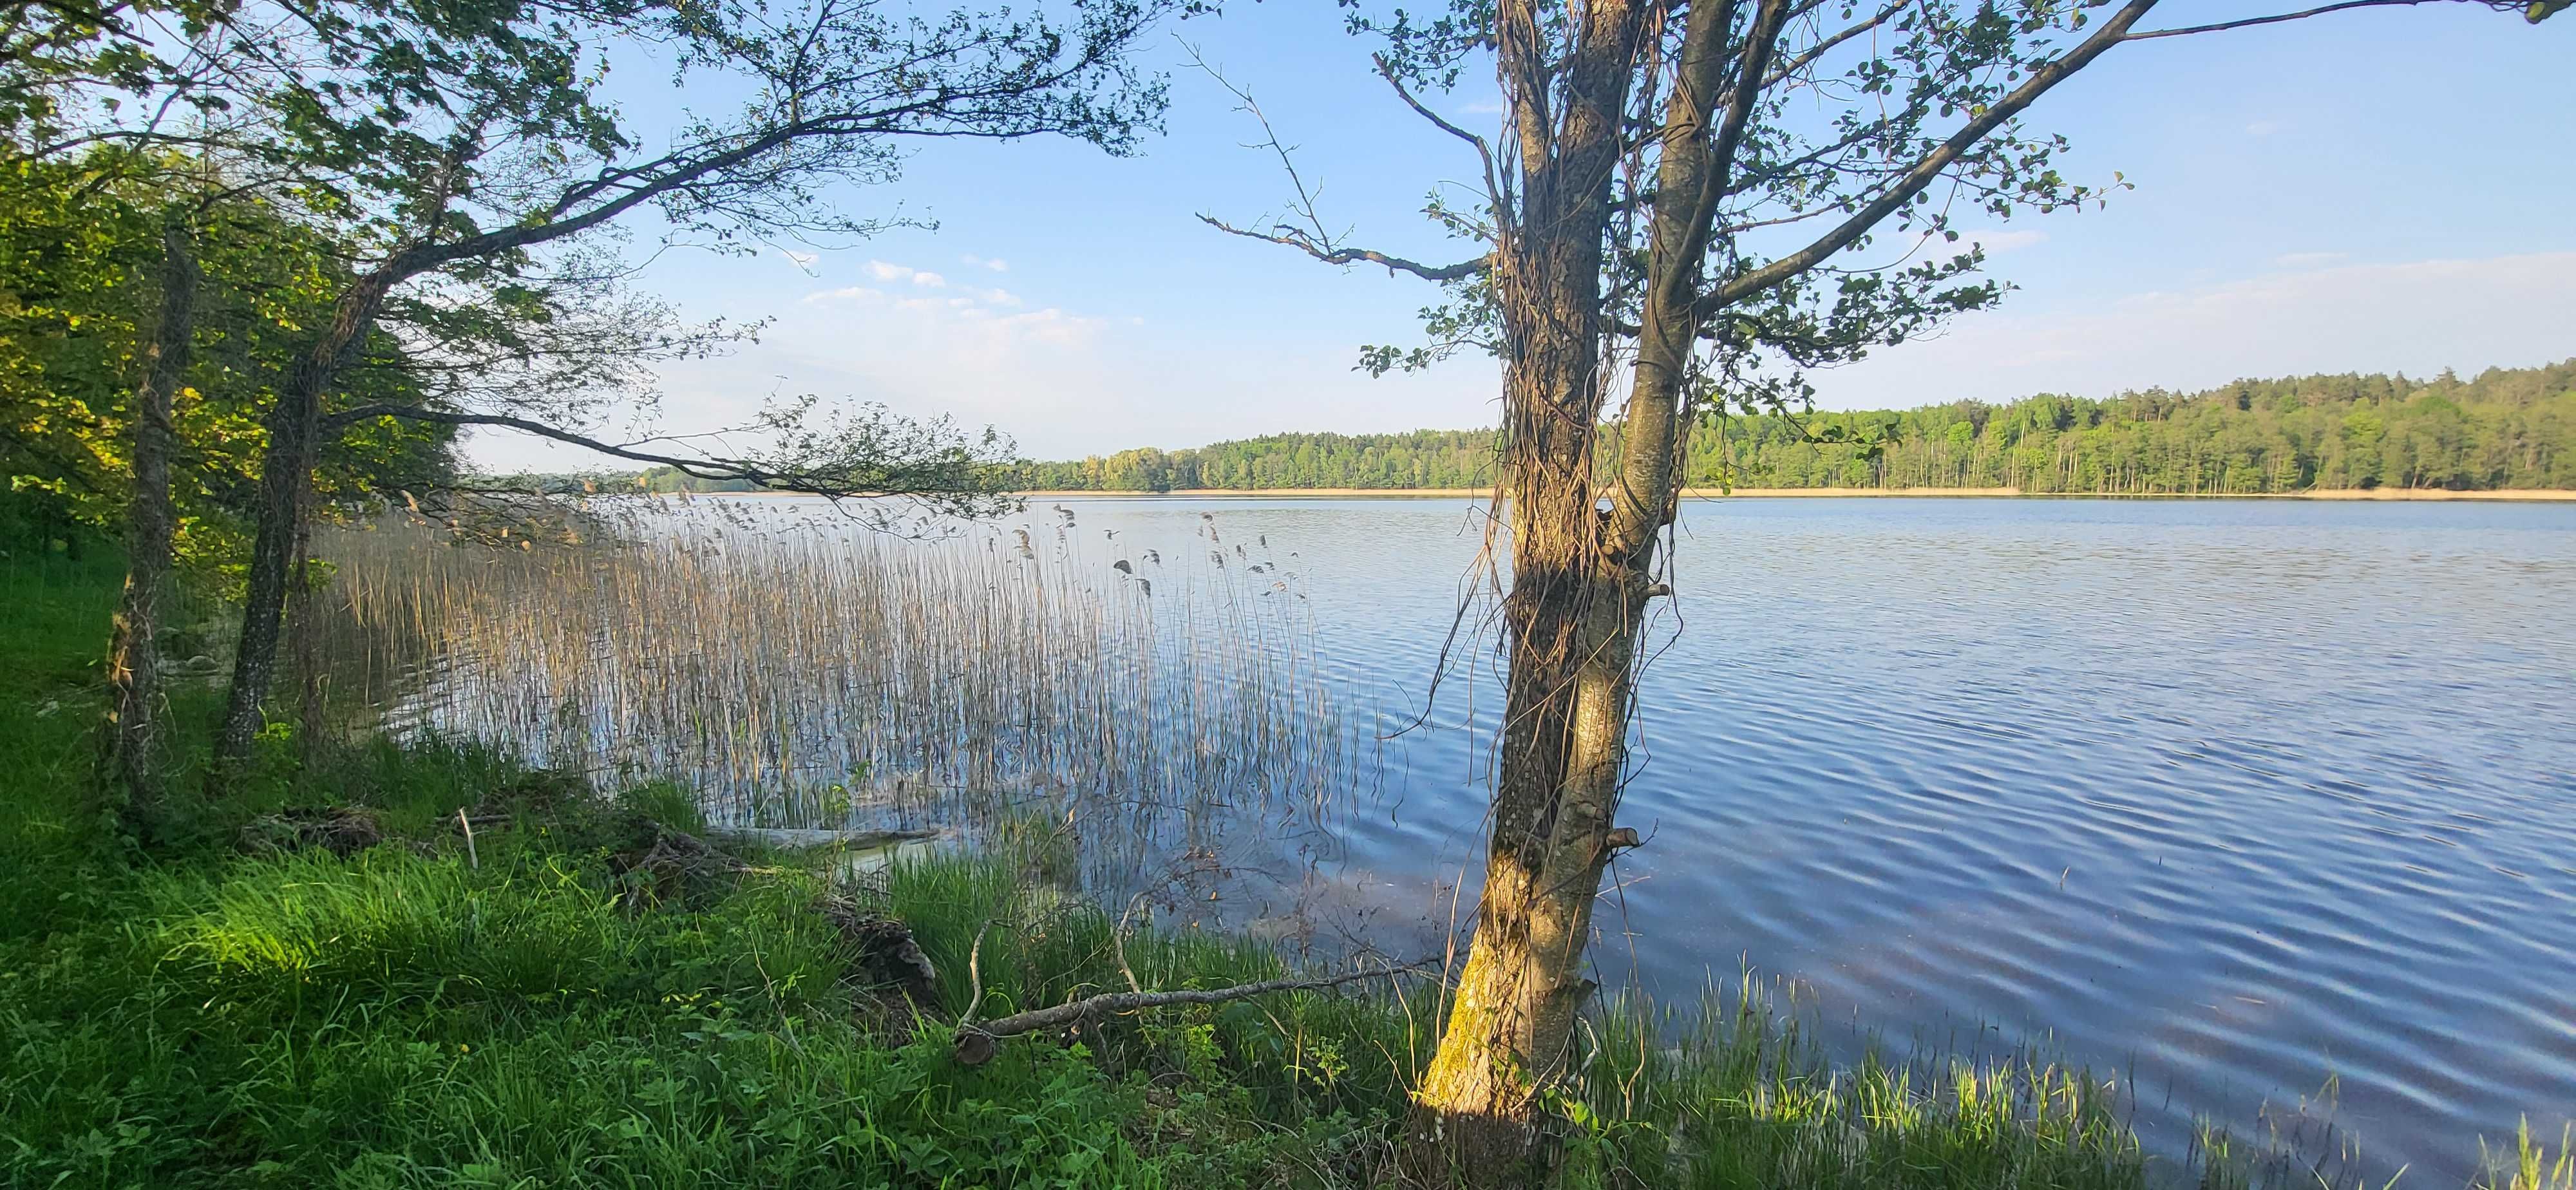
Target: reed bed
column 799, row 670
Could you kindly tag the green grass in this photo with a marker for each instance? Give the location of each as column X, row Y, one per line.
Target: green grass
column 53, row 628
column 194, row 1016
column 400, row 1018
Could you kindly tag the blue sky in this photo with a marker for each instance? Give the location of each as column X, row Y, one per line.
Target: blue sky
column 2375, row 190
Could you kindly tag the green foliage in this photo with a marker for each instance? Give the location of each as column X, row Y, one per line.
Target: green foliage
column 2505, row 429
column 52, row 841
column 79, row 256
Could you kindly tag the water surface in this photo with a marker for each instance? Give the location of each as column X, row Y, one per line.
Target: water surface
column 2241, row 797
column 2232, row 801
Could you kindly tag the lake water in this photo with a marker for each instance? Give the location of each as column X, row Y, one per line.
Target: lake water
column 2234, row 802
column 2235, row 798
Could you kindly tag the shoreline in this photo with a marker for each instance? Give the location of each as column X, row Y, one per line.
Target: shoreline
column 2434, row 495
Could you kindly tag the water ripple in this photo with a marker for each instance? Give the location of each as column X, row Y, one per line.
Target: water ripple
column 2252, row 795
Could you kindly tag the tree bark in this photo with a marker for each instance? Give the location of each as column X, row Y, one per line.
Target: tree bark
column 285, row 481
column 300, row 605
column 1582, row 572
column 1511, row 1020
column 133, row 761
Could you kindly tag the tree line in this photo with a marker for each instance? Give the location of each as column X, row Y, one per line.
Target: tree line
column 2504, row 429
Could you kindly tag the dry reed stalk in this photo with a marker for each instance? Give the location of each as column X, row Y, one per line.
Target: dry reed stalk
column 799, row 673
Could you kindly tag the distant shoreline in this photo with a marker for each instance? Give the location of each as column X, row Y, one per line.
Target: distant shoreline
column 2420, row 494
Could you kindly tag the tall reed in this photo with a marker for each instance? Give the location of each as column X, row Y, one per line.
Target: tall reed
column 800, row 670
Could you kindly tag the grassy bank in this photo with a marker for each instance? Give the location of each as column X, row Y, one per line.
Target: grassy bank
column 557, row 1006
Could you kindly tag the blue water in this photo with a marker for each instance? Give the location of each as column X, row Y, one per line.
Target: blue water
column 2233, row 801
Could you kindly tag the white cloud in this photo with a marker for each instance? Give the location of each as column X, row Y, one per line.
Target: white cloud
column 987, row 310
column 1999, row 239
column 1052, row 325
column 2309, row 260
column 2417, row 318
column 985, row 262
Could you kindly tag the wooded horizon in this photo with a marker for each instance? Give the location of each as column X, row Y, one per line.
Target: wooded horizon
column 2504, row 429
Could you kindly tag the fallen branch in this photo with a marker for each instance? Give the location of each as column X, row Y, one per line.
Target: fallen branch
column 976, row 1044
column 795, row 837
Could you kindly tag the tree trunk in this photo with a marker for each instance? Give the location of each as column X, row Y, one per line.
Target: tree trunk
column 285, row 480
column 300, row 605
column 1564, row 730
column 133, row 757
column 1582, row 572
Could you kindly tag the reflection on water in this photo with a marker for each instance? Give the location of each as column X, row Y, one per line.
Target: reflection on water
column 2238, row 796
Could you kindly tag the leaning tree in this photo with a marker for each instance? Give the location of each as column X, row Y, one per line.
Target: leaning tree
column 1696, row 200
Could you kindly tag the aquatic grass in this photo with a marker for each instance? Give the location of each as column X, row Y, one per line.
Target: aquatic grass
column 1736, row 1092
column 2530, row 1166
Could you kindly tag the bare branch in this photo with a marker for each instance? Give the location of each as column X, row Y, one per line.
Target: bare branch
column 890, row 481
column 1298, row 239
column 976, row 1043
column 1315, row 239
column 1484, row 151
column 1808, row 57
column 2250, row 22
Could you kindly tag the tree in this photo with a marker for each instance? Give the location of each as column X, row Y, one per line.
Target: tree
column 1649, row 214
column 140, row 337
column 133, row 654
column 472, row 149
column 146, row 321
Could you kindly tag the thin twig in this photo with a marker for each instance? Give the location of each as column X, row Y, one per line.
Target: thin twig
column 974, row 978
column 471, row 859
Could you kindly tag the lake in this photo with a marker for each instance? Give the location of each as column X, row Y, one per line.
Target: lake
column 2236, row 802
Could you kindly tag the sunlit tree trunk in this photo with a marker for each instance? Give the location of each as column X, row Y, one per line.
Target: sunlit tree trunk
column 1511, row 1020
column 1583, row 562
column 134, row 762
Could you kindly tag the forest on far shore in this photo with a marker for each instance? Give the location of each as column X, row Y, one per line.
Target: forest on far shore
column 2505, row 428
